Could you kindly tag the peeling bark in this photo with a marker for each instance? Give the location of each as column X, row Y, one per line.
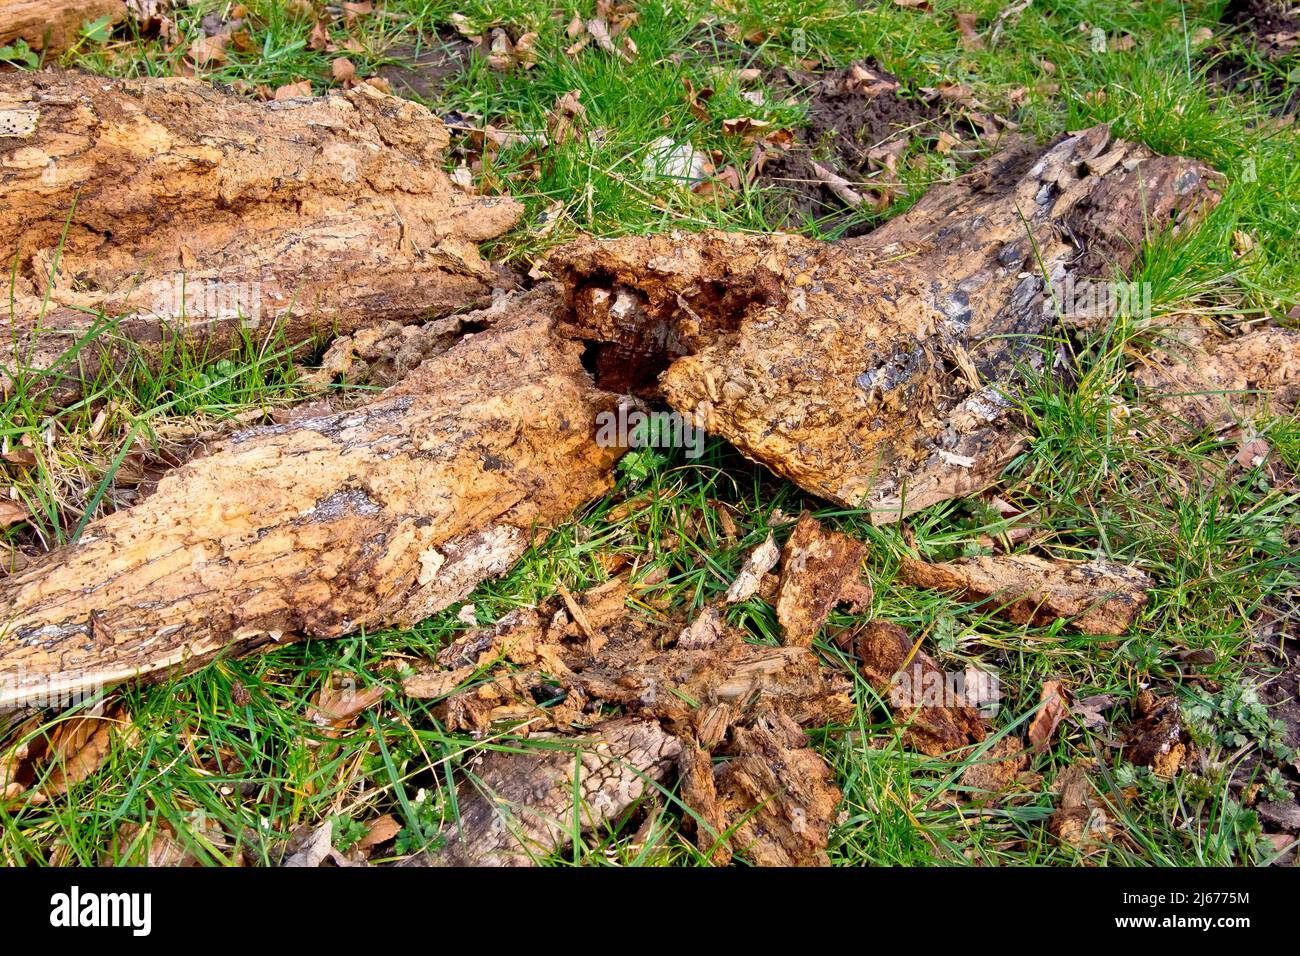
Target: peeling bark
column 198, row 214
column 379, row 515
column 53, row 25
column 877, row 372
column 819, row 570
column 519, row 807
column 1096, row 597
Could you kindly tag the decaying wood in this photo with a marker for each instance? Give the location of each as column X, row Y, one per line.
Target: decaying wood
column 776, row 795
column 196, row 213
column 382, row 514
column 1203, row 381
column 914, row 687
column 1097, row 597
column 54, row 25
column 1158, row 738
column 819, row 569
column 878, row 372
column 518, row 807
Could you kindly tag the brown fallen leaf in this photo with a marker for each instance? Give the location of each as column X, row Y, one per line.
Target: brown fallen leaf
column 936, row 720
column 1052, row 708
column 817, row 569
column 12, row 513
column 761, row 560
column 745, row 127
column 1158, row 738
column 379, row 831
column 79, row 745
column 1099, row 598
column 339, row 701
column 967, row 24
column 209, row 50
column 566, row 116
column 343, row 70
column 293, row 91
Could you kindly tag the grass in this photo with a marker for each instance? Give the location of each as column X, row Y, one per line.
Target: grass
column 228, row 760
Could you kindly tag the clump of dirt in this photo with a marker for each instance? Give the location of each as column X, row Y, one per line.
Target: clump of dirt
column 422, row 72
column 1271, row 30
column 846, row 120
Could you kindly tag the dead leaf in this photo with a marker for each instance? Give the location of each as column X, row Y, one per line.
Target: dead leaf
column 566, row 117
column 745, row 127
column 379, row 831
column 12, row 513
column 209, row 50
column 343, row 70
column 293, row 91
column 79, row 746
column 967, row 27
column 1051, row 709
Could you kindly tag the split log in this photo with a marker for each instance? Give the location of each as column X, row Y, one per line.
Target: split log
column 53, row 25
column 878, row 372
column 379, row 515
column 191, row 212
column 519, row 807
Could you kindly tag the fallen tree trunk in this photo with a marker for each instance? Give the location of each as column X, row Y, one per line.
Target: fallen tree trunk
column 875, row 372
column 179, row 211
column 880, row 372
column 380, row 515
column 53, row 25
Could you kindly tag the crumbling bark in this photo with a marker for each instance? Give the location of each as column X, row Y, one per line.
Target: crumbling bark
column 518, row 807
column 1205, row 381
column 379, row 515
column 178, row 210
column 914, row 687
column 878, row 372
column 819, row 569
column 1097, row 597
column 53, row 25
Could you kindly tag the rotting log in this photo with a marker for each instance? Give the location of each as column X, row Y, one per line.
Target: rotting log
column 880, row 372
column 873, row 372
column 383, row 514
column 177, row 209
column 53, row 25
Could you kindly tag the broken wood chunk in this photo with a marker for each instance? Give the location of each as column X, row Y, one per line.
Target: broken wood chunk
column 382, row 514
column 699, row 795
column 750, row 579
column 997, row 769
column 879, row 372
column 1158, row 738
column 1096, row 597
column 1204, row 382
column 819, row 569
column 937, row 714
column 777, row 794
column 195, row 214
column 516, row 808
column 1079, row 820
